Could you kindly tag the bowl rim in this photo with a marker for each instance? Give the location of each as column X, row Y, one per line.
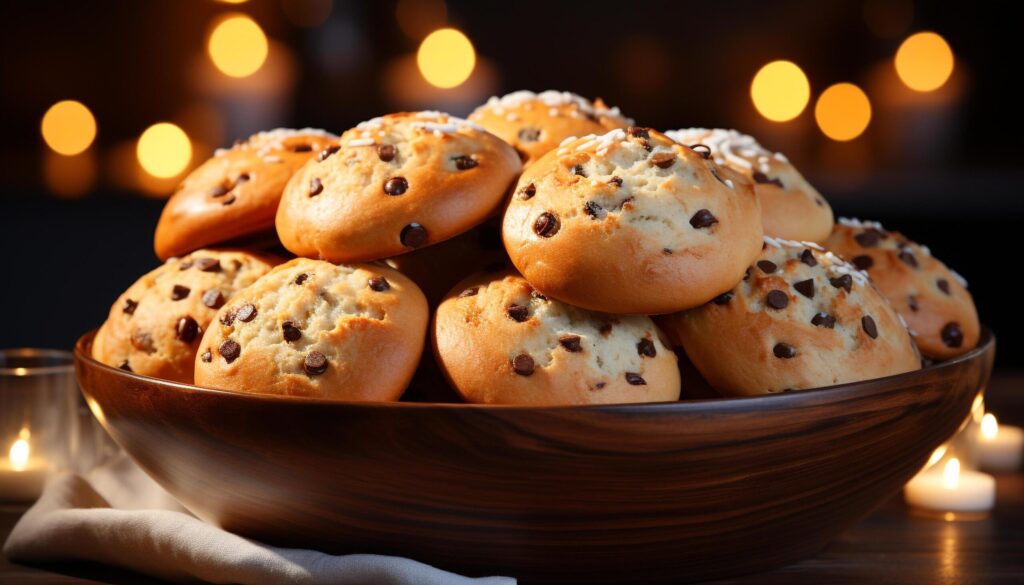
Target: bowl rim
column 986, row 344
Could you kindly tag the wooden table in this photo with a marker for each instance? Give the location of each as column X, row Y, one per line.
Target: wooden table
column 891, row 545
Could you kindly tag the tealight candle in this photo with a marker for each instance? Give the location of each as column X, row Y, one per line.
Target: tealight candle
column 999, row 446
column 952, row 490
column 22, row 476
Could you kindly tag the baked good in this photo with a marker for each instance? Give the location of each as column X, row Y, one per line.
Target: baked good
column 235, row 194
column 631, row 222
column 154, row 328
column 801, row 318
column 499, row 341
column 537, row 123
column 932, row 298
column 790, row 207
column 399, row 182
column 311, row 328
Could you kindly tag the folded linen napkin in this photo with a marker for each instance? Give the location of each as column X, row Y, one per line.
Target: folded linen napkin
column 119, row 516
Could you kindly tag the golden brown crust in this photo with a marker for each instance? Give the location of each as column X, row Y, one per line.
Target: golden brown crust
column 626, row 235
column 147, row 330
column 944, row 324
column 535, row 124
column 310, row 328
column 791, row 208
column 426, row 172
column 777, row 332
column 235, row 193
column 488, row 322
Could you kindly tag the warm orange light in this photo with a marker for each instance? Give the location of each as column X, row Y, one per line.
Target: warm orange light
column 989, row 426
column 951, row 474
column 936, row 456
column 237, row 46
column 924, row 62
column 780, row 91
column 843, row 112
column 446, row 58
column 20, row 451
column 164, row 150
column 69, row 176
column 68, row 127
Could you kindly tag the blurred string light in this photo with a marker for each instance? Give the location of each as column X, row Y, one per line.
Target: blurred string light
column 164, row 150
column 924, row 61
column 417, row 18
column 843, row 112
column 307, row 13
column 780, row 91
column 68, row 127
column 232, row 1
column 237, row 45
column 446, row 58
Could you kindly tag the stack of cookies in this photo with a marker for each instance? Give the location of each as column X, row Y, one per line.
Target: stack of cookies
column 552, row 251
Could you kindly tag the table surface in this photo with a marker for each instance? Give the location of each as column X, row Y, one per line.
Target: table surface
column 891, row 545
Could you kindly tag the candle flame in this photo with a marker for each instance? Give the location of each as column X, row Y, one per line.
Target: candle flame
column 951, row 474
column 989, row 426
column 937, row 455
column 19, row 455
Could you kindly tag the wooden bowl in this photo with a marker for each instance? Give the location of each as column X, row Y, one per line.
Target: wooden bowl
column 646, row 493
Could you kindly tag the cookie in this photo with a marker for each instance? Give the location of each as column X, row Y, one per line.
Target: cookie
column 535, row 124
column 632, row 222
column 398, row 183
column 790, row 207
column 235, row 194
column 310, row 328
column 801, row 318
column 154, row 328
column 932, row 298
column 499, row 341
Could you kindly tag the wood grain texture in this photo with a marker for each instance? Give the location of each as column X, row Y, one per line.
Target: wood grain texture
column 601, row 494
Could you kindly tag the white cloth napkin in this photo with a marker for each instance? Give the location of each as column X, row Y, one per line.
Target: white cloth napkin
column 119, row 516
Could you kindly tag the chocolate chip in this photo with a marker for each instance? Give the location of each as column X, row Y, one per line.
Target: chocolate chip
column 638, row 132
column 517, row 313
column 869, row 326
column 868, row 238
column 243, row 178
column 529, row 135
column 862, row 262
column 538, row 295
column 784, row 351
column 702, row 219
column 386, row 152
column 701, row 149
column 606, row 329
column 218, row 191
column 528, row 191
column 777, row 299
column 129, row 306
column 246, row 312
column 124, row 366
column 645, row 347
column 187, row 329
column 413, row 235
column 396, row 186
column 746, row 274
column 844, row 282
column 805, row 287
column 571, row 343
column 229, row 350
column 762, row 178
column 908, row 258
column 315, row 363
column 301, row 278
column 228, row 319
column 469, row 292
column 207, row 357
column 179, row 292
column 228, row 200
column 823, row 320
column 290, row 332
column 592, row 208
column 615, row 180
column 142, row 341
column 327, row 152
column 464, row 163
column 379, row 283
column 522, row 364
column 912, row 303
column 819, row 201
column 807, row 257
column 663, row 160
column 546, row 225
column 767, row 266
column 315, row 187
column 213, row 298
column 635, row 379
column 208, row 265
column 185, row 265
column 719, row 177
column 943, row 285
column 666, row 251
column 578, row 171
column 952, row 335
column 302, row 148
column 600, row 385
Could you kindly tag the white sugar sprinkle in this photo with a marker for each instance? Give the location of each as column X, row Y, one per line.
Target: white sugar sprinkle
column 856, row 223
column 553, row 100
column 361, row 142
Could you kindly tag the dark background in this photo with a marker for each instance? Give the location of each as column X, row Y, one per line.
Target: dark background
column 945, row 172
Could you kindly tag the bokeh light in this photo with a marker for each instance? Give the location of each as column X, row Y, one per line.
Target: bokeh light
column 446, row 58
column 237, row 46
column 68, row 127
column 780, row 91
column 924, row 61
column 164, row 150
column 417, row 18
column 843, row 112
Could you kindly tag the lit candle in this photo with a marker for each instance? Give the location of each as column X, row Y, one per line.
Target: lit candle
column 21, row 476
column 999, row 446
column 952, row 490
